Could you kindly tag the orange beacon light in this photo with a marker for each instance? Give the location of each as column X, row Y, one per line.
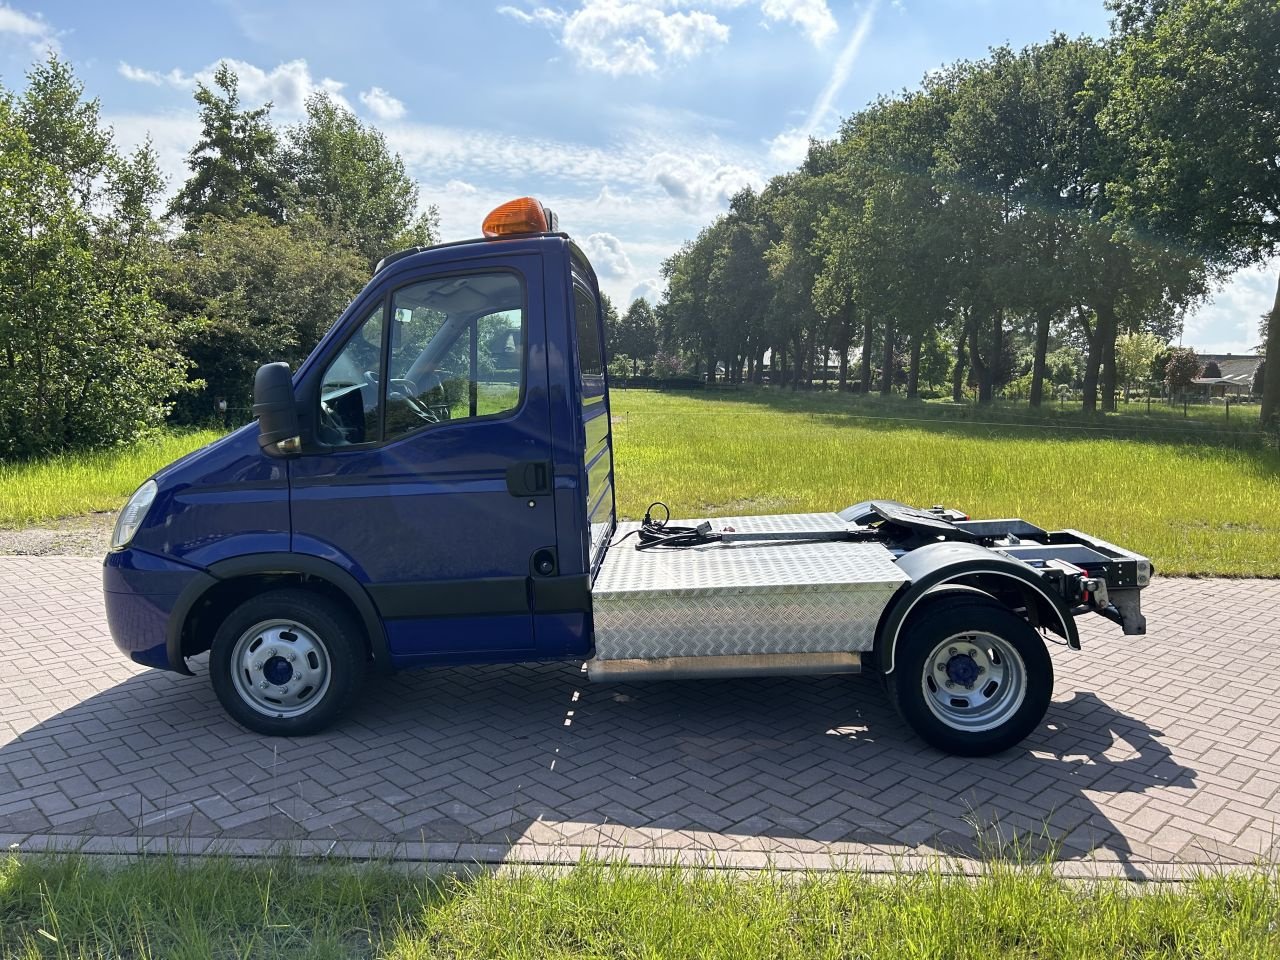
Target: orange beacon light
column 522, row 216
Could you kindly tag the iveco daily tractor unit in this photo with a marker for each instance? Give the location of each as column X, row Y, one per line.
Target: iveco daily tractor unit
column 434, row 486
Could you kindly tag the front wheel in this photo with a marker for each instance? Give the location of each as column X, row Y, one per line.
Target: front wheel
column 971, row 677
column 287, row 663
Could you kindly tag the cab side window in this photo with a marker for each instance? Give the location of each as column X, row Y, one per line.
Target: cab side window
column 350, row 391
column 590, row 355
column 457, row 350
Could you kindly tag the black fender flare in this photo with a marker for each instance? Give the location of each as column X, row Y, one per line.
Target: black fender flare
column 948, row 566
column 277, row 563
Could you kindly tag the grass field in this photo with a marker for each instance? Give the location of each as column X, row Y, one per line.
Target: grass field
column 1204, row 502
column 158, row 908
column 1198, row 496
column 73, row 484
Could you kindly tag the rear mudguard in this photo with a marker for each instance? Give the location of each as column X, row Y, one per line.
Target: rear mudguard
column 968, row 567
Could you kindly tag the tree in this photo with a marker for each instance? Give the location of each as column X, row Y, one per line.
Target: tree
column 686, row 273
column 638, row 334
column 1211, row 370
column 1259, row 377
column 610, row 323
column 1135, row 352
column 1194, row 103
column 85, row 358
column 1066, row 366
column 793, row 261
column 247, row 291
column 235, row 165
column 342, row 173
column 1180, row 369
column 1019, row 145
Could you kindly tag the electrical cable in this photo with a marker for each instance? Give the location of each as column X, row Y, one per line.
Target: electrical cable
column 660, row 533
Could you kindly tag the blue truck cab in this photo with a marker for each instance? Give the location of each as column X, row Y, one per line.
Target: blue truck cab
column 434, row 486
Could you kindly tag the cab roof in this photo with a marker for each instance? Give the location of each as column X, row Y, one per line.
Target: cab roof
column 482, row 245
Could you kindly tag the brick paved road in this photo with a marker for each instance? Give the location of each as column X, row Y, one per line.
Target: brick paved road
column 1157, row 750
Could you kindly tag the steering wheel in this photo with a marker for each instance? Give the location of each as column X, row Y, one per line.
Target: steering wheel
column 406, row 391
column 331, row 429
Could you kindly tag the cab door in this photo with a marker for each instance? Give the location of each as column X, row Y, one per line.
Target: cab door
column 430, row 480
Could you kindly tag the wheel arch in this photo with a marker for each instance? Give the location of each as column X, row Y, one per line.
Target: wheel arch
column 940, row 570
column 203, row 605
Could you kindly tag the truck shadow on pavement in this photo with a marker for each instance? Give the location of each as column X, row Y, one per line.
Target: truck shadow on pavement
column 485, row 762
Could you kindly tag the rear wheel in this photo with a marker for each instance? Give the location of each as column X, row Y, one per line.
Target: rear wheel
column 287, row 662
column 970, row 676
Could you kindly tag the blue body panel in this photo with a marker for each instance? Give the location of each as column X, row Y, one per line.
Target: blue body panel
column 426, row 524
column 224, row 500
column 140, row 591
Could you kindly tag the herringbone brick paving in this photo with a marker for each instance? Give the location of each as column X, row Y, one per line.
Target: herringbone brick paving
column 1156, row 750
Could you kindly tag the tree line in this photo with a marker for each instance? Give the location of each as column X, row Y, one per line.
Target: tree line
column 118, row 312
column 1072, row 199
column 1037, row 217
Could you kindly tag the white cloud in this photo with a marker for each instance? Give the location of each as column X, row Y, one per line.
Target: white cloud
column 174, row 78
column 39, row 35
column 652, row 289
column 700, row 182
column 287, row 86
column 607, row 255
column 544, row 15
column 382, row 104
column 621, row 37
column 171, row 136
column 812, row 16
column 698, row 173
column 1229, row 322
column 791, row 146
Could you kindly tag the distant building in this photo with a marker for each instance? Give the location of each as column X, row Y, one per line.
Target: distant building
column 1237, row 375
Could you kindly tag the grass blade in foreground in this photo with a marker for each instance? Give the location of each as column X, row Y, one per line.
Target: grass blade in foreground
column 218, row 908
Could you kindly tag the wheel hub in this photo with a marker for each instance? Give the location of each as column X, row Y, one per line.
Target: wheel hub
column 974, row 681
column 962, row 669
column 277, row 671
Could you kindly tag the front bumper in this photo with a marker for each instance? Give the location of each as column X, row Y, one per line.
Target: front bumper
column 141, row 591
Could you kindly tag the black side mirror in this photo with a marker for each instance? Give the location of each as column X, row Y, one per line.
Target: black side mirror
column 276, row 409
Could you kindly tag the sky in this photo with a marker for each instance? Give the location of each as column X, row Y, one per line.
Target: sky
column 635, row 120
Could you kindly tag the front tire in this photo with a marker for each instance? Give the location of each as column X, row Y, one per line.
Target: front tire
column 287, row 663
column 970, row 676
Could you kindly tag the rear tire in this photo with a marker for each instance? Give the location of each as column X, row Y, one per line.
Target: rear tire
column 970, row 676
column 287, row 663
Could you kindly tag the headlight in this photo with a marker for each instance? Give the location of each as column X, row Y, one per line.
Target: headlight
column 134, row 512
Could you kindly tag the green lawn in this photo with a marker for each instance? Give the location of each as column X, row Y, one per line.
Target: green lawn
column 157, row 908
column 74, row 484
column 1198, row 496
column 1197, row 502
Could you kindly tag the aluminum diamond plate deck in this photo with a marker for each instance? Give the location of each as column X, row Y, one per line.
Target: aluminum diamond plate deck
column 782, row 526
column 761, row 597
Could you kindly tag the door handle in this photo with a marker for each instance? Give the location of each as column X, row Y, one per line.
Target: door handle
column 529, row 478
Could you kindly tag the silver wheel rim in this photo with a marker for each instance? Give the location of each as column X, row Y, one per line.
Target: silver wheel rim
column 974, row 681
column 258, row 668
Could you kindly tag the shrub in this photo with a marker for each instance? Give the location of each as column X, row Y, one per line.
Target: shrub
column 86, row 358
